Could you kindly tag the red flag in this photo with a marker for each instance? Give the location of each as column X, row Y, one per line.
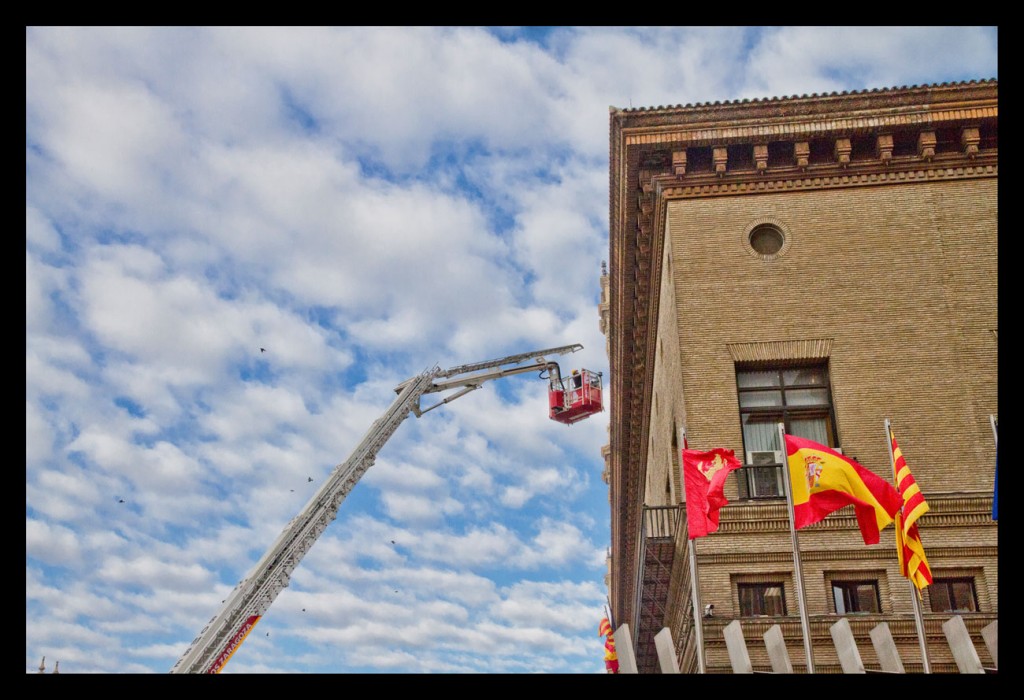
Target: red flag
column 824, row 481
column 704, row 475
column 909, row 548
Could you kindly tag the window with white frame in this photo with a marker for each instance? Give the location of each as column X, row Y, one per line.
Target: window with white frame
column 800, row 398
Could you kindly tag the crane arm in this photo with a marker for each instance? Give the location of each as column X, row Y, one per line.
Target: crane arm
column 252, row 597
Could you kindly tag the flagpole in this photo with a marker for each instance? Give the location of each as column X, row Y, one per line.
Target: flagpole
column 697, row 611
column 915, row 594
column 797, row 573
column 698, row 620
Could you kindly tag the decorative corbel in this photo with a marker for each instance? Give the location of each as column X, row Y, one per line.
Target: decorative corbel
column 802, row 153
column 884, row 148
column 720, row 156
column 970, row 137
column 761, row 156
column 926, row 144
column 843, row 150
column 679, row 162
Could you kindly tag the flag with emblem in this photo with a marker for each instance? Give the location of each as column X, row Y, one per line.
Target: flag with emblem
column 704, row 474
column 909, row 548
column 611, row 659
column 823, row 481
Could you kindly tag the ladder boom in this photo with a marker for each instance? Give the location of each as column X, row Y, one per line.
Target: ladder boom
column 252, row 597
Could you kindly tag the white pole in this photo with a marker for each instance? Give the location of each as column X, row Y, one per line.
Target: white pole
column 915, row 594
column 698, row 620
column 697, row 610
column 797, row 574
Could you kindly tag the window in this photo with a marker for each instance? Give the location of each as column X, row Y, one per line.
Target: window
column 762, row 599
column 953, row 595
column 798, row 397
column 767, row 239
column 856, row 597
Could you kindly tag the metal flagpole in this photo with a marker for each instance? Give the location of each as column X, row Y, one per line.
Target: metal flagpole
column 697, row 612
column 915, row 593
column 805, row 626
column 698, row 621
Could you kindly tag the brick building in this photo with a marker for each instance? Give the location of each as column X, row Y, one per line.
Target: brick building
column 829, row 261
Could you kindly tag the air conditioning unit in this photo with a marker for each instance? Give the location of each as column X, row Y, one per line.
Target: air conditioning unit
column 758, row 458
column 764, row 473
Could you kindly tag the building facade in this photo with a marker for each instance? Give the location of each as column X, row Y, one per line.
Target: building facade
column 828, row 262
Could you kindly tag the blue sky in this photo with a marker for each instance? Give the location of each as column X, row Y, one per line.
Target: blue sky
column 363, row 203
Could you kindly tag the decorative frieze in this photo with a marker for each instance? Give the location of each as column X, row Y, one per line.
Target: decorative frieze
column 670, row 191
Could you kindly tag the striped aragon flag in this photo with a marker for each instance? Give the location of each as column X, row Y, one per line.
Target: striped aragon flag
column 909, row 548
column 823, row 481
column 611, row 659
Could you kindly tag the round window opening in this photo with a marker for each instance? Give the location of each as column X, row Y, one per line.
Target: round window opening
column 767, row 239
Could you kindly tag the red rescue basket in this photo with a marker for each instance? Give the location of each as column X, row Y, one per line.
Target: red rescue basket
column 575, row 397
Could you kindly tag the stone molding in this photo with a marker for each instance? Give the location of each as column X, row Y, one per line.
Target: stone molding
column 777, row 351
column 831, row 181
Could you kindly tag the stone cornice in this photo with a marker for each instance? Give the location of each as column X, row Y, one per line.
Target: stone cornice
column 887, row 103
column 791, row 129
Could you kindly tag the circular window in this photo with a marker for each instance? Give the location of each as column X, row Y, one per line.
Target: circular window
column 767, row 238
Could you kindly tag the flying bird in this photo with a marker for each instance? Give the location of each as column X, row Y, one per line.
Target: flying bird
column 263, row 349
column 309, row 479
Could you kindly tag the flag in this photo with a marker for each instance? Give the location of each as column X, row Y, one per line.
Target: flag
column 611, row 659
column 909, row 548
column 704, row 475
column 823, row 481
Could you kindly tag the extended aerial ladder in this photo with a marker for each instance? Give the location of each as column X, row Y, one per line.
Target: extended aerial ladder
column 249, row 601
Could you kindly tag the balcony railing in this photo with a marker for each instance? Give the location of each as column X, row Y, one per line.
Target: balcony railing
column 762, row 481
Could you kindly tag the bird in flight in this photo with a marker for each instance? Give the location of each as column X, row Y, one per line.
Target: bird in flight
column 263, row 349
column 309, row 479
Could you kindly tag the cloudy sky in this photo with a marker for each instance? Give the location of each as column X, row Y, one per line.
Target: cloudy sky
column 362, row 204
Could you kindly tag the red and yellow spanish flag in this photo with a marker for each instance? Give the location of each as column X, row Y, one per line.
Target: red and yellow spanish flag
column 823, row 481
column 611, row 659
column 909, row 548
